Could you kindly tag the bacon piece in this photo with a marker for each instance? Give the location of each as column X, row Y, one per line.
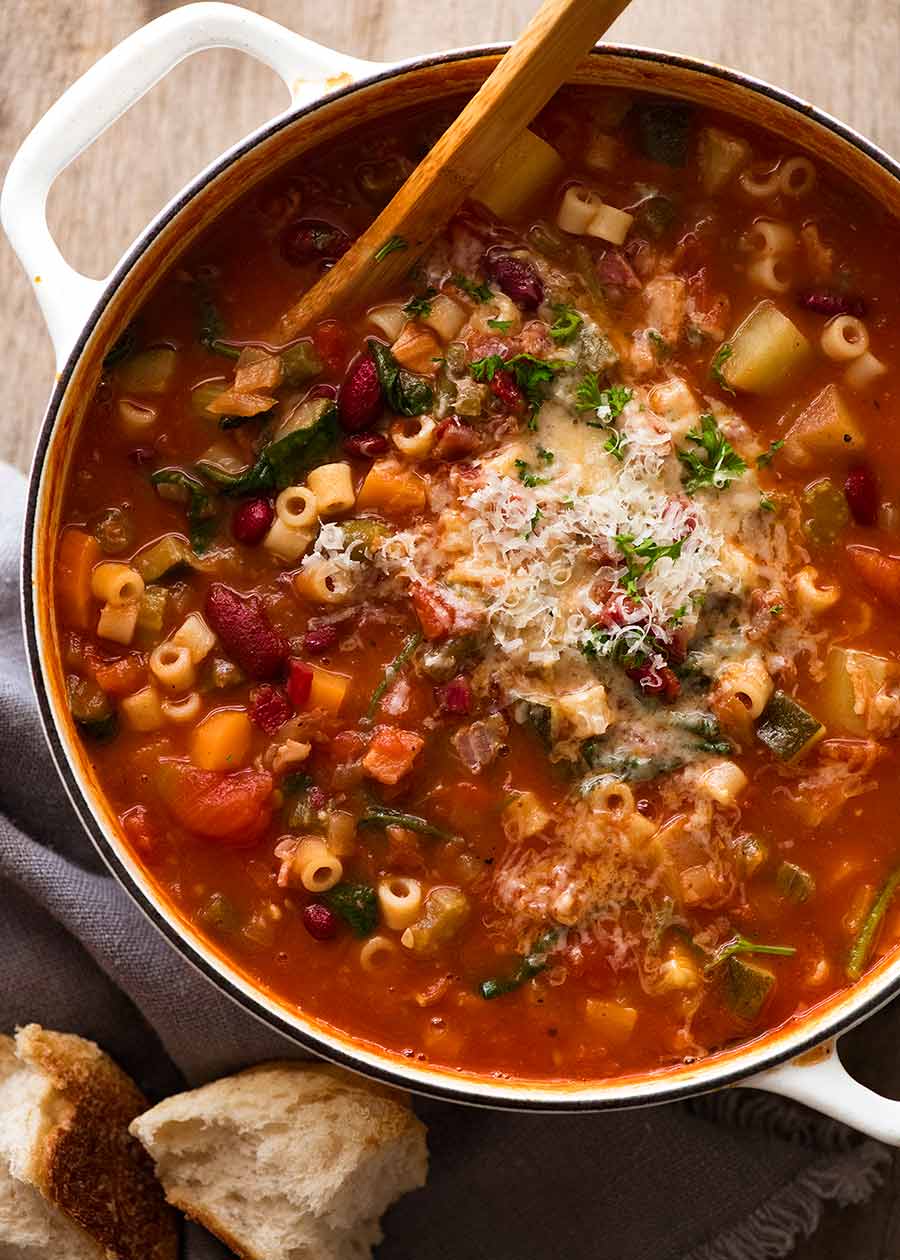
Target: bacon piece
column 269, row 708
column 479, row 744
column 455, row 439
column 614, row 270
column 436, row 614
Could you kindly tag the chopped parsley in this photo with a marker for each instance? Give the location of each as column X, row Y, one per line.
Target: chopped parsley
column 566, row 324
column 715, row 463
column 480, row 292
column 763, row 461
column 590, row 397
column 776, row 610
column 530, row 374
column 545, row 456
column 766, row 504
column 419, row 307
column 615, row 444
column 722, row 355
column 527, row 477
column 500, row 325
column 647, row 551
column 390, row 246
column 532, row 524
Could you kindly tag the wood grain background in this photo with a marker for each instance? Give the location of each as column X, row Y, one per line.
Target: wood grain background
column 843, row 56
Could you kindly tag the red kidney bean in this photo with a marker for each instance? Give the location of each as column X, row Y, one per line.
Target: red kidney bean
column 861, row 490
column 455, row 696
column 366, row 445
column 517, row 277
column 319, row 639
column 319, row 921
column 662, row 682
column 307, row 240
column 269, row 708
column 505, row 388
column 251, row 521
column 359, row 397
column 826, row 302
column 246, row 632
column 299, row 683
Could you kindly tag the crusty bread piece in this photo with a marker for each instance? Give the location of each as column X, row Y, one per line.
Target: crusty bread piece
column 86, row 1187
column 30, row 1229
column 287, row 1161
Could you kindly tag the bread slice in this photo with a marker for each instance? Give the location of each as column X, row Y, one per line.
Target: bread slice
column 75, row 1185
column 287, row 1161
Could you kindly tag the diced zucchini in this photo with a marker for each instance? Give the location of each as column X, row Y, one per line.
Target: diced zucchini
column 368, row 533
column 149, row 372
column 528, row 167
column 91, row 709
column 152, row 612
column 752, row 855
column 765, row 350
column 826, row 428
column 720, row 156
column 787, row 729
column 219, row 915
column 219, row 674
column 613, row 1022
column 747, row 987
column 851, row 676
column 300, row 363
column 655, row 214
column 445, row 911
column 114, row 531
column 794, row 883
column 664, row 130
column 163, row 557
column 825, row 510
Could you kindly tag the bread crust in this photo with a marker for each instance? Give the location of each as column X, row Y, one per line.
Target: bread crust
column 88, row 1164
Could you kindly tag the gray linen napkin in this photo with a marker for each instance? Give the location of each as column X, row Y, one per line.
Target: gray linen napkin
column 735, row 1176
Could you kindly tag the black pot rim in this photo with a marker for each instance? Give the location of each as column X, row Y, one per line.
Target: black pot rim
column 524, row 1095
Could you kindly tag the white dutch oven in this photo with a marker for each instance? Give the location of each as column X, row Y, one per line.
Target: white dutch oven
column 330, row 92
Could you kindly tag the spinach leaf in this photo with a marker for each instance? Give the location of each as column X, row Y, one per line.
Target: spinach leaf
column 283, row 461
column 406, row 393
column 357, row 904
column 382, row 816
column 202, row 513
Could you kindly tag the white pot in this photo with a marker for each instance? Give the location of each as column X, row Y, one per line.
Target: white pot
column 330, row 91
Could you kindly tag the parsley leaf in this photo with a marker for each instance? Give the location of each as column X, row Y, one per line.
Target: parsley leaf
column 529, row 373
column 776, row 610
column 722, row 355
column 480, row 292
column 419, row 307
column 649, row 552
column 390, row 246
column 500, row 325
column 615, row 445
column 545, row 456
column 567, row 323
column 766, row 504
column 590, row 397
column 527, row 477
column 532, row 524
column 661, row 347
column 719, row 462
column 406, row 393
column 763, row 461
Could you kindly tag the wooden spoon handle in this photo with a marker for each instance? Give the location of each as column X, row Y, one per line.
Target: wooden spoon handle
column 541, row 59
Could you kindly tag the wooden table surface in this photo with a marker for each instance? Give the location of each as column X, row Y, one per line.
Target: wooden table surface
column 844, row 57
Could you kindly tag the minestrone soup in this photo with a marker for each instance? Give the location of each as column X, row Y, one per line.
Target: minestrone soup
column 509, row 674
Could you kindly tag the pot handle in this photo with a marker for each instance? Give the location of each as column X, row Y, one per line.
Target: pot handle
column 105, row 92
column 819, row 1080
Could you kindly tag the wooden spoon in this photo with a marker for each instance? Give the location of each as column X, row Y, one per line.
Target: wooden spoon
column 540, row 61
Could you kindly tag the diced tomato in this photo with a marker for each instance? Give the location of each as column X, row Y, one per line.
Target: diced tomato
column 299, row 683
column 139, row 829
column 391, row 754
column 118, row 678
column 233, row 808
column 880, row 573
column 505, row 388
column 435, row 613
column 330, row 340
column 661, row 682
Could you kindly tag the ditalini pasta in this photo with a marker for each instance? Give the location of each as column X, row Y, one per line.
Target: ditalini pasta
column 508, row 675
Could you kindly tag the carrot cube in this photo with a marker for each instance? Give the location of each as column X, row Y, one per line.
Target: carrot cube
column 78, row 553
column 328, row 690
column 391, row 488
